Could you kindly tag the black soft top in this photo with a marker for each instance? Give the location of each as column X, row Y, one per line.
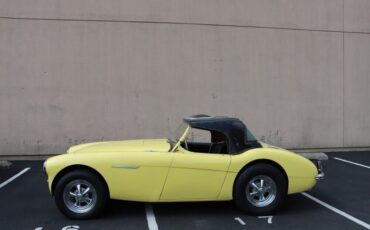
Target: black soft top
column 233, row 129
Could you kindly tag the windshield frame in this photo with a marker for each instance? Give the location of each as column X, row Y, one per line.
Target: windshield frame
column 178, row 136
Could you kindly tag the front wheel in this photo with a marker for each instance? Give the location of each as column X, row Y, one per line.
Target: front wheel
column 260, row 189
column 81, row 194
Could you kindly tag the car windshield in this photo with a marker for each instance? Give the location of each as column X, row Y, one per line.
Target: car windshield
column 175, row 136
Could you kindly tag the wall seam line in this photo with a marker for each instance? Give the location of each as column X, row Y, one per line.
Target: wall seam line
column 180, row 23
column 343, row 85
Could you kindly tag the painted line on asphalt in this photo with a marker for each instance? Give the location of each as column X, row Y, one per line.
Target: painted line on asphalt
column 150, row 217
column 239, row 220
column 14, row 177
column 344, row 214
column 269, row 218
column 351, row 162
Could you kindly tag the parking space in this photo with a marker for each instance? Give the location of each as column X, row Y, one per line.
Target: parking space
column 347, row 186
column 26, row 204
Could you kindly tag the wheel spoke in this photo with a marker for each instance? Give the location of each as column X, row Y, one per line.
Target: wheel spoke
column 255, row 186
column 78, row 186
column 253, row 193
column 72, row 194
column 86, row 191
column 87, row 200
column 261, row 183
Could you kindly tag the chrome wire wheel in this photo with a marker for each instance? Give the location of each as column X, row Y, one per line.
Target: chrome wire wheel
column 261, row 191
column 79, row 196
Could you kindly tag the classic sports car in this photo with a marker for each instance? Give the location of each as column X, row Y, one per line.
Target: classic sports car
column 206, row 159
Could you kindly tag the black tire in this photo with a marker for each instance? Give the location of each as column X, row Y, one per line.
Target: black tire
column 97, row 192
column 254, row 204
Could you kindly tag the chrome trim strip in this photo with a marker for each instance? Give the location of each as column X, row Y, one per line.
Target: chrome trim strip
column 125, row 166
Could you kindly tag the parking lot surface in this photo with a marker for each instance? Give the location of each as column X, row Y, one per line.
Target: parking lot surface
column 340, row 201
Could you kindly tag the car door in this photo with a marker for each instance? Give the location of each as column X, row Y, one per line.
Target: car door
column 195, row 176
column 137, row 176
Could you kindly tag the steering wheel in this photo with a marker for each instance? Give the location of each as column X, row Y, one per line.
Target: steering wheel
column 186, row 144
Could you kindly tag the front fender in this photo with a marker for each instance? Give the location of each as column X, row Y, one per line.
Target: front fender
column 54, row 165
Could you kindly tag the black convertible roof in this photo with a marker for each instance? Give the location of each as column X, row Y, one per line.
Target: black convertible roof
column 211, row 122
column 233, row 128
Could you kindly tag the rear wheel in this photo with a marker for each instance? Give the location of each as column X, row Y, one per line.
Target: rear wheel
column 260, row 189
column 81, row 194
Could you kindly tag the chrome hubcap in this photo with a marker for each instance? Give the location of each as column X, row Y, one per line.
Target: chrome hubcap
column 261, row 191
column 79, row 196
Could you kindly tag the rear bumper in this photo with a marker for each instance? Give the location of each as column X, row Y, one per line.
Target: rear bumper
column 317, row 159
column 320, row 169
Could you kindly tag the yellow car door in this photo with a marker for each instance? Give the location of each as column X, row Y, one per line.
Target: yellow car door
column 139, row 176
column 195, row 176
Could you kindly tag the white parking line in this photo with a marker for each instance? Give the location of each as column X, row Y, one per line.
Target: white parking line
column 152, row 223
column 346, row 215
column 239, row 220
column 14, row 177
column 350, row 162
column 269, row 218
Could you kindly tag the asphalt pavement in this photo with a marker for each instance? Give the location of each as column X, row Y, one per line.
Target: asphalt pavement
column 340, row 201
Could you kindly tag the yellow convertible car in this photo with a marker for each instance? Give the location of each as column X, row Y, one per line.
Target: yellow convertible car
column 206, row 159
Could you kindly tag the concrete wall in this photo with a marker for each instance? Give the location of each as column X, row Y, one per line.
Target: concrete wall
column 296, row 71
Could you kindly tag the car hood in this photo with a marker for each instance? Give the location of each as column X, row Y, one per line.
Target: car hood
column 150, row 145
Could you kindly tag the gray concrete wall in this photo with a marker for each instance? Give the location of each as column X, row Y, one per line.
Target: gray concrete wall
column 296, row 71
